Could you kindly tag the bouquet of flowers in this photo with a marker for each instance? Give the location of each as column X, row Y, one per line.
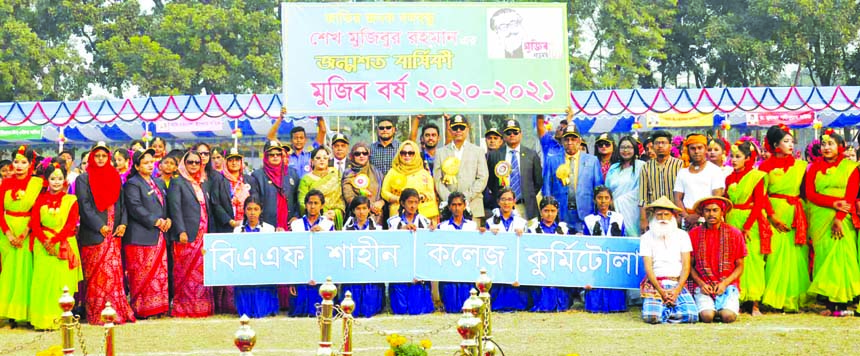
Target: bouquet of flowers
column 400, row 346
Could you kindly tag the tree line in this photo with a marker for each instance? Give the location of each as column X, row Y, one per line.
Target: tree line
column 62, row 49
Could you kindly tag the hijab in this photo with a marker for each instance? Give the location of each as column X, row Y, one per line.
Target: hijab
column 408, row 168
column 105, row 182
column 196, row 178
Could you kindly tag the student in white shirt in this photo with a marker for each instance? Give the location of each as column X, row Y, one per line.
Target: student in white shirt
column 417, row 297
column 303, row 304
column 504, row 219
column 369, row 297
column 453, row 294
column 507, row 297
column 313, row 221
column 457, row 220
column 408, row 217
column 359, row 217
column 255, row 301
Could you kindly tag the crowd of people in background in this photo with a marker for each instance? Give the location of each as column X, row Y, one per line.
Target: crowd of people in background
column 724, row 226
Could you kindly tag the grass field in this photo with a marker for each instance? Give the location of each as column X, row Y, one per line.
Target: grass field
column 518, row 334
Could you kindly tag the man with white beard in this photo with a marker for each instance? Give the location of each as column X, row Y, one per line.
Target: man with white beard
column 665, row 249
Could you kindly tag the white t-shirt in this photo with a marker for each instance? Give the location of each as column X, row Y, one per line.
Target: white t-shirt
column 303, row 224
column 263, row 228
column 396, row 222
column 516, row 223
column 699, row 185
column 666, row 253
column 467, row 225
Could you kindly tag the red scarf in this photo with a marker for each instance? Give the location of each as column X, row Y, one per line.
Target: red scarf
column 736, row 176
column 775, row 162
column 104, row 181
column 276, row 175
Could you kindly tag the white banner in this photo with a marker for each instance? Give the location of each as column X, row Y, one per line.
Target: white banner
column 181, row 125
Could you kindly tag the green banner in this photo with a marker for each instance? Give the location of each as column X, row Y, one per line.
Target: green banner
column 24, row 132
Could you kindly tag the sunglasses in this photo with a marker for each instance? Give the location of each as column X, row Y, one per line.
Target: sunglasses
column 191, row 162
column 458, row 128
column 275, row 154
column 407, row 153
column 603, row 144
column 512, row 132
column 385, row 127
column 203, row 153
column 361, row 153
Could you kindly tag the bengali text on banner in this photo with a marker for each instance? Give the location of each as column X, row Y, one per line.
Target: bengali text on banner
column 790, row 118
column 401, row 256
column 399, row 58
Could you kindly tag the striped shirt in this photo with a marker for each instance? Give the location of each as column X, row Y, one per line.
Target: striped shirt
column 658, row 180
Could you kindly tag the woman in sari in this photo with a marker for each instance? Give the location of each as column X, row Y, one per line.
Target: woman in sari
column 787, row 268
column 218, row 190
column 326, row 180
column 623, row 181
column 145, row 244
column 19, row 193
column 56, row 259
column 407, row 171
column 746, row 187
column 275, row 183
column 189, row 210
column 239, row 190
column 103, row 224
column 832, row 221
column 363, row 179
column 718, row 152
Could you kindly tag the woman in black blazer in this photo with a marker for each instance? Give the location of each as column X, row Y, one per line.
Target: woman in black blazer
column 103, row 224
column 144, row 242
column 189, row 207
column 218, row 189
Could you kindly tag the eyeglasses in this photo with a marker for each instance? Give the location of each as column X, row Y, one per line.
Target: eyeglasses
column 276, row 154
column 361, row 153
column 383, row 128
column 192, row 162
column 626, row 147
column 512, row 132
column 458, row 128
column 203, row 153
column 603, row 144
column 407, row 153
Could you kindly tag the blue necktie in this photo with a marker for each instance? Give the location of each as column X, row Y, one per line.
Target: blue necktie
column 515, row 173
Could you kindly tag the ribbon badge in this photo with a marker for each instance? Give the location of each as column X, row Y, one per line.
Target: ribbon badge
column 361, row 181
column 503, row 171
column 450, row 169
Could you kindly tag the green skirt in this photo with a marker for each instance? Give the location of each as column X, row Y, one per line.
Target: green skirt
column 786, row 273
column 50, row 275
column 836, row 272
column 15, row 279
